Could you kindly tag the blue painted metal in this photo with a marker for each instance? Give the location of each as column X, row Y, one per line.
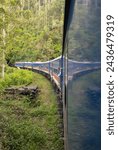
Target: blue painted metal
column 55, row 68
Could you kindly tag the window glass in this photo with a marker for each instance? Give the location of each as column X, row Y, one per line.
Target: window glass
column 83, row 94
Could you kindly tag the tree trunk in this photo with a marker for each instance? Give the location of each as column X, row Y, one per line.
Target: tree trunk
column 3, row 52
column 39, row 4
column 22, row 5
column 28, row 4
column 46, row 13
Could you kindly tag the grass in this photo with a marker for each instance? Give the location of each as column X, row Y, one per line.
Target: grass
column 28, row 126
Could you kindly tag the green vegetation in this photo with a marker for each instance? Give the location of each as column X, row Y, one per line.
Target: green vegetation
column 25, row 125
column 15, row 77
column 30, row 30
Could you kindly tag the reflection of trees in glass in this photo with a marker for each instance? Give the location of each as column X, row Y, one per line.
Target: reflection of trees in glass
column 84, row 96
column 84, row 34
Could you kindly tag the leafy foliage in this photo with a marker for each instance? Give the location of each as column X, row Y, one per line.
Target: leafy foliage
column 25, row 126
column 33, row 31
column 15, row 77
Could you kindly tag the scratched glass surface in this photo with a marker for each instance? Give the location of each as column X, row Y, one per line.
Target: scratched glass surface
column 83, row 76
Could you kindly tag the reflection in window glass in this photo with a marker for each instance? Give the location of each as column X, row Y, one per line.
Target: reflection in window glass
column 83, row 96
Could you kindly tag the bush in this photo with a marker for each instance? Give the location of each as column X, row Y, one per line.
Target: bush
column 16, row 77
column 23, row 136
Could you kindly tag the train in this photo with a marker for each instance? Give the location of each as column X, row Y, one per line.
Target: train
column 78, row 73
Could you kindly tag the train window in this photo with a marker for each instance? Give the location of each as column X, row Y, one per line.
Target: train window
column 83, row 92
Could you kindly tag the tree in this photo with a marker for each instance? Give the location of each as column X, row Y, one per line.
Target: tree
column 3, row 43
column 33, row 30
